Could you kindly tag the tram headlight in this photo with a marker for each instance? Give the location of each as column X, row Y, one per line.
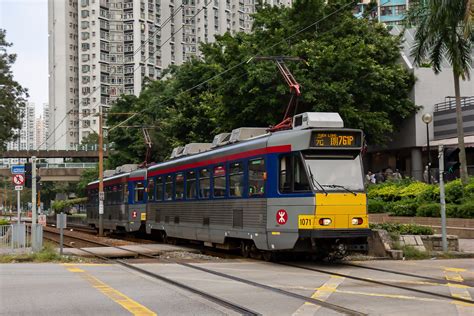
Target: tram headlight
column 325, row 221
column 357, row 221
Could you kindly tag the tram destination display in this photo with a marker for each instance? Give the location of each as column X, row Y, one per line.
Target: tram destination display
column 336, row 139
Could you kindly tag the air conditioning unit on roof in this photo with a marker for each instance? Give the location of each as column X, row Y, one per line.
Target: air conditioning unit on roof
column 126, row 168
column 195, row 148
column 317, row 119
column 108, row 173
column 177, row 152
column 220, row 140
column 244, row 133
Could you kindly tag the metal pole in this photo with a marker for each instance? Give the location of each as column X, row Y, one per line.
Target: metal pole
column 33, row 203
column 18, row 206
column 101, row 175
column 61, row 237
column 442, row 198
column 429, row 153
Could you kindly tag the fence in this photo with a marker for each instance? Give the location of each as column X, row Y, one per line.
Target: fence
column 17, row 238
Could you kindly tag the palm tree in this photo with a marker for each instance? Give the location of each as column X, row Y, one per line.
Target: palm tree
column 444, row 32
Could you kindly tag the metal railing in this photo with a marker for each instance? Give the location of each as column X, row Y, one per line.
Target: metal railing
column 13, row 238
column 450, row 103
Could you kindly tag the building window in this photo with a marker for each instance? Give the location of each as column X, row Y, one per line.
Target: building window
column 85, row 13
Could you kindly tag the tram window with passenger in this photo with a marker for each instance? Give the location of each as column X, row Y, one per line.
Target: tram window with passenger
column 236, row 179
column 151, row 189
column 204, row 183
column 179, row 186
column 139, row 192
column 159, row 189
column 125, row 194
column 257, row 177
column 292, row 175
column 190, row 185
column 219, row 181
column 168, row 188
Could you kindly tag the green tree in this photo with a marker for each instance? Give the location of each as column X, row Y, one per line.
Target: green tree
column 443, row 32
column 12, row 95
column 352, row 67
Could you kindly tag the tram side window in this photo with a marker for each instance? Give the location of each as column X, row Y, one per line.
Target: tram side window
column 204, row 183
column 190, row 185
column 257, row 177
column 139, row 192
column 151, row 189
column 236, row 179
column 125, row 193
column 169, row 188
column 159, row 188
column 293, row 178
column 179, row 186
column 219, row 181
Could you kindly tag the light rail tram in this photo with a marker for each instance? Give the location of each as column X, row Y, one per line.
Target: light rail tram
column 296, row 190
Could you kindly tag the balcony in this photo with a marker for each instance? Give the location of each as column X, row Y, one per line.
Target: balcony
column 445, row 117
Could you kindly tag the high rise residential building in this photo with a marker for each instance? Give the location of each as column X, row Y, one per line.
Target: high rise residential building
column 44, row 143
column 63, row 74
column 390, row 12
column 101, row 49
column 26, row 134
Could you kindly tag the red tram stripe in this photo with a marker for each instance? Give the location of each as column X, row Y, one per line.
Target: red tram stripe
column 242, row 155
column 136, row 178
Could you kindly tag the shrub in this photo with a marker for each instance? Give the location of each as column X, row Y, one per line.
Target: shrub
column 429, row 195
column 376, row 206
column 404, row 208
column 404, row 229
column 466, row 210
column 4, row 222
column 454, row 191
column 386, row 192
column 415, row 189
column 428, row 210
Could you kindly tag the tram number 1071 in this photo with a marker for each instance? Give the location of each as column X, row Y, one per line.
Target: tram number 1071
column 305, row 222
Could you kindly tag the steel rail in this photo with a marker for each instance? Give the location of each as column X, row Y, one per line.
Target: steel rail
column 220, row 301
column 465, row 282
column 460, row 299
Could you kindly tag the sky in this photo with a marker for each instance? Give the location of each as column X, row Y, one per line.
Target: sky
column 26, row 23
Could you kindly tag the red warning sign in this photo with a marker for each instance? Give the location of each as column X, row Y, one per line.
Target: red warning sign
column 18, row 179
column 281, row 217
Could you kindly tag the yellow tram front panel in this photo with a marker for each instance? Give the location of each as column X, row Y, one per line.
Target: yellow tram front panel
column 339, row 208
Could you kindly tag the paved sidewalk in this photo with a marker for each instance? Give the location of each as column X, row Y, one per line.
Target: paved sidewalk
column 466, row 245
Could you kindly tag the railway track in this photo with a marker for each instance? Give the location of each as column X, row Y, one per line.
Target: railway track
column 225, row 303
column 331, row 306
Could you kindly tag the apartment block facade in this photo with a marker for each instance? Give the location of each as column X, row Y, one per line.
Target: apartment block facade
column 101, row 49
column 26, row 134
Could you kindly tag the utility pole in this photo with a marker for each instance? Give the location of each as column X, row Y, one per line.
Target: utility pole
column 101, row 175
column 442, row 198
column 33, row 202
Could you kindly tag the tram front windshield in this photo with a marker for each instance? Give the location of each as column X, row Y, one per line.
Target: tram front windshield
column 335, row 174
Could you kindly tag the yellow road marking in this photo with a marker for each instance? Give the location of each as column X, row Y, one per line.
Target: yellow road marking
column 461, row 286
column 322, row 293
column 453, row 274
column 130, row 305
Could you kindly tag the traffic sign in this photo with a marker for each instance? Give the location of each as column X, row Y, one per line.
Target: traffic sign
column 16, row 169
column 18, row 187
column 281, row 217
column 42, row 220
column 18, row 179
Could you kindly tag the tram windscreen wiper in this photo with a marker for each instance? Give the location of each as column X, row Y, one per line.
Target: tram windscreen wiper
column 316, row 181
column 339, row 186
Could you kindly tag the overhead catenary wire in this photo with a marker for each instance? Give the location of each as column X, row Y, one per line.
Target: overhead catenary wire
column 241, row 63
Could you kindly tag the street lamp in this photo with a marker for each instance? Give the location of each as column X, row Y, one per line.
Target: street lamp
column 427, row 118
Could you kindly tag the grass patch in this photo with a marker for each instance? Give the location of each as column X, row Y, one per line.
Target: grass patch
column 47, row 254
column 412, row 253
